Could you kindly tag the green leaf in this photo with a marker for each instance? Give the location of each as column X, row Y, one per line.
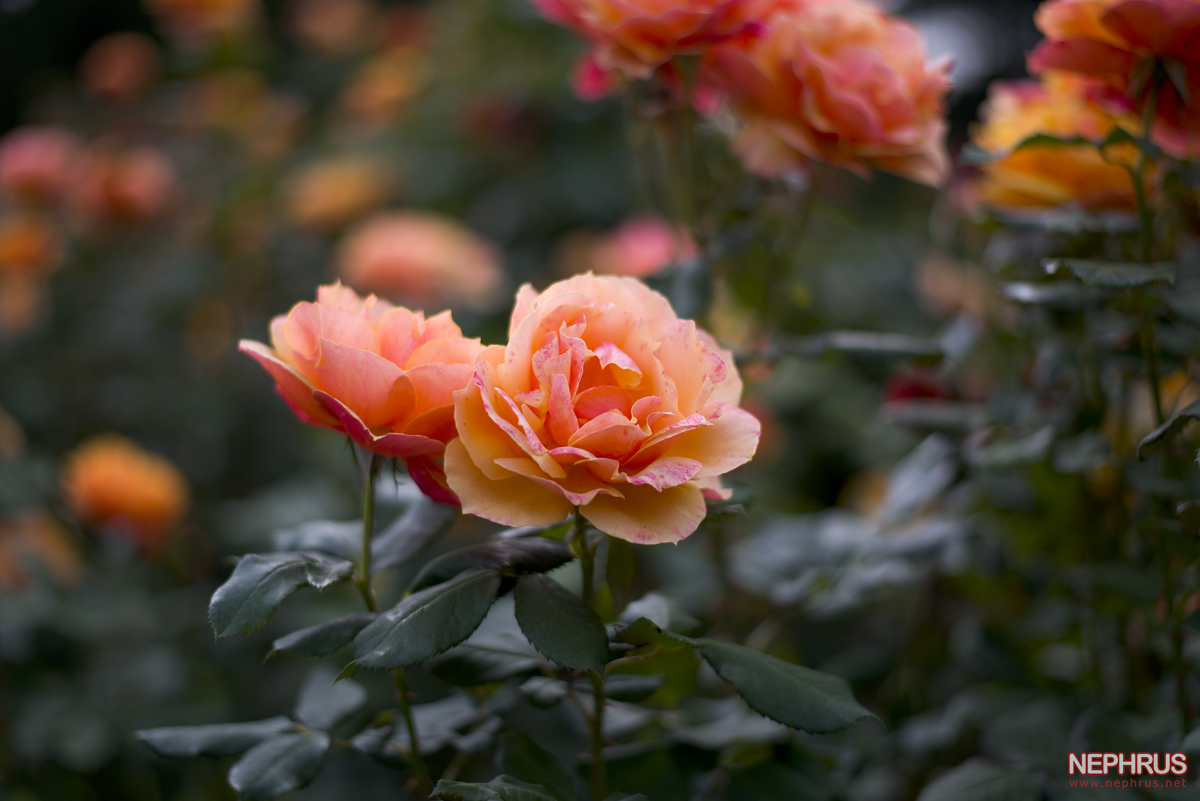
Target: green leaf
column 1177, row 73
column 428, row 622
column 630, row 688
column 560, row 625
column 1007, row 453
column 867, row 346
column 1191, row 743
column 280, row 764
column 790, row 694
column 218, row 740
column 420, row 523
column 322, row 704
column 1048, row 140
column 260, row 582
column 496, row 659
column 1053, row 295
column 502, row 787
column 1120, row 136
column 522, row 758
column 323, row 638
column 512, row 557
column 1114, row 275
column 339, row 538
column 644, row 631
column 620, row 568
column 979, row 780
column 1186, row 307
column 1170, row 429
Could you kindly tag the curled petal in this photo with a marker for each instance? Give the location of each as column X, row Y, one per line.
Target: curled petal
column 730, row 441
column 430, row 477
column 294, row 388
column 669, row 471
column 712, row 489
column 399, row 446
column 647, row 516
column 514, row 501
column 579, row 487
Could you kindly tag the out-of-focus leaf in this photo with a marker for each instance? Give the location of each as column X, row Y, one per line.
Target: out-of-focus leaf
column 935, row 415
column 866, row 345
column 795, row 696
column 419, row 524
column 512, row 557
column 260, row 582
column 664, row 612
column 724, row 511
column 1170, row 429
column 1186, row 307
column 631, row 689
column 502, row 787
column 733, row 724
column 335, row 537
column 979, row 780
column 1054, row 295
column 322, row 704
column 772, row 780
column 1114, row 275
column 619, row 567
column 524, row 759
column 1191, row 742
column 438, row 724
column 427, row 623
column 323, row 638
column 1005, row 454
column 560, row 625
column 218, row 740
column 543, row 691
column 280, row 764
column 493, row 659
column 624, row 797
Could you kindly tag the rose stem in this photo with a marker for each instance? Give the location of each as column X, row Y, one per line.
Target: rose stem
column 587, row 558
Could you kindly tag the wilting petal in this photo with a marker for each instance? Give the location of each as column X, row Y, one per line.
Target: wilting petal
column 399, row 446
column 378, row 391
column 297, row 391
column 514, row 501
column 647, row 516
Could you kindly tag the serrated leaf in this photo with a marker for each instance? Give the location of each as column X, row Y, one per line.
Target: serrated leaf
column 335, row 537
column 513, row 556
column 279, row 765
column 322, row 704
column 502, row 787
column 522, row 758
column 427, row 623
column 217, row 740
column 1114, row 275
column 620, row 568
column 644, row 631
column 1170, row 429
column 260, row 583
column 419, row 524
column 795, row 696
column 979, row 780
column 475, row 663
column 867, row 345
column 560, row 625
column 323, row 638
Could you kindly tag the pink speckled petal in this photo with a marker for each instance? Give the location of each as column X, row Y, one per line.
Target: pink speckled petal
column 712, row 489
column 399, row 446
column 579, row 487
column 598, row 400
column 561, row 419
column 514, row 501
column 291, row 385
column 669, row 471
column 647, row 516
column 430, row 477
column 610, row 435
column 728, row 443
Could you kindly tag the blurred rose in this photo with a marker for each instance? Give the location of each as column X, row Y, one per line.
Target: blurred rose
column 128, row 186
column 382, row 86
column 604, row 400
column 332, row 26
column 382, row 374
column 841, row 83
column 238, row 103
column 1116, row 42
column 1049, row 176
column 121, row 66
column 30, row 248
column 638, row 36
column 197, row 22
column 110, row 482
column 329, row 194
column 37, row 162
column 421, row 258
column 638, row 247
column 33, row 540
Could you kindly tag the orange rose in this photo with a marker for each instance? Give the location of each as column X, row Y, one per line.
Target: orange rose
column 1112, row 40
column 382, row 374
column 195, row 22
column 421, row 258
column 110, row 481
column 123, row 187
column 36, row 537
column 121, row 66
column 331, row 193
column 1046, row 177
column 36, row 162
column 841, row 83
column 604, row 400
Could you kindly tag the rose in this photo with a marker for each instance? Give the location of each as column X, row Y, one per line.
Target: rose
column 35, row 536
column 382, row 374
column 603, row 400
column 121, row 66
column 110, row 481
column 1050, row 176
column 328, row 194
column 128, row 186
column 36, row 162
column 1118, row 43
column 841, row 83
column 422, row 258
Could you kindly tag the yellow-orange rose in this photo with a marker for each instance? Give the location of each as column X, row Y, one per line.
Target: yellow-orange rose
column 110, row 481
column 605, row 400
column 1049, row 176
column 841, row 83
column 34, row 536
column 381, row 373
column 328, row 194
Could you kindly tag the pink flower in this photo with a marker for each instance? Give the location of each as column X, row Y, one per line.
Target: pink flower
column 129, row 186
column 838, row 82
column 37, row 162
column 382, row 374
column 603, row 400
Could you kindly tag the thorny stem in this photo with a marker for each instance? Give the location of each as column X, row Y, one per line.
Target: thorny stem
column 587, row 557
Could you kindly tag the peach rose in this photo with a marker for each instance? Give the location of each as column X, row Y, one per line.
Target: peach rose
column 1047, row 177
column 841, row 83
column 328, row 194
column 37, row 162
column 1111, row 40
column 423, row 258
column 121, row 66
column 639, row 247
column 130, row 186
column 109, row 481
column 382, row 374
column 603, row 400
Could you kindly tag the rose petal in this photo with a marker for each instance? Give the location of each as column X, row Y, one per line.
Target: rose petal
column 430, row 477
column 399, row 446
column 290, row 383
column 647, row 516
column 579, row 487
column 435, row 384
column 514, row 501
column 378, row 391
column 669, row 471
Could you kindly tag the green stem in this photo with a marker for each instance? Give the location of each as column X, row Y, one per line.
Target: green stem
column 368, row 513
column 587, row 561
column 1139, row 177
column 1150, row 355
column 416, row 761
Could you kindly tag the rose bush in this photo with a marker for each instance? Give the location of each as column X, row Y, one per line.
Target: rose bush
column 383, row 374
column 603, row 400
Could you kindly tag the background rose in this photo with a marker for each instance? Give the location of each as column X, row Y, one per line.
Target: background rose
column 381, row 373
column 36, row 162
column 1112, row 40
column 123, row 186
column 605, row 400
column 841, row 83
column 1049, row 176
